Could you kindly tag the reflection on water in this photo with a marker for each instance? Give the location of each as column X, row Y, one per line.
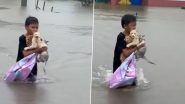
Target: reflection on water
column 26, row 93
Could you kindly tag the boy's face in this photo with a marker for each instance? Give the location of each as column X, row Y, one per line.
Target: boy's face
column 32, row 28
column 131, row 26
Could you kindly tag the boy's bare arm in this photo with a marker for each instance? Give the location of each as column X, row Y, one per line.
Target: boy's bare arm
column 129, row 51
column 37, row 50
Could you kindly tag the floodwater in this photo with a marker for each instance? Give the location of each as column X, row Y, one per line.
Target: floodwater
column 69, row 32
column 164, row 33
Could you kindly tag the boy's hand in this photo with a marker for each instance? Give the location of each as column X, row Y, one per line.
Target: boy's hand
column 40, row 50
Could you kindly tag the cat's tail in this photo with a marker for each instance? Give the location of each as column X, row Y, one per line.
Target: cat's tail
column 146, row 59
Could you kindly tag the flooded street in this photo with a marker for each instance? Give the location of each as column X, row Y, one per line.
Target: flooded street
column 69, row 32
column 164, row 33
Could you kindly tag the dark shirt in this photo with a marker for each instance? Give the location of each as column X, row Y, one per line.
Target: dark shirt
column 22, row 45
column 120, row 45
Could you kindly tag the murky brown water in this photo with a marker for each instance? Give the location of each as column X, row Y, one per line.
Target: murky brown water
column 164, row 32
column 69, row 32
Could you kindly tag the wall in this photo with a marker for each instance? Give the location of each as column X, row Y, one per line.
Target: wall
column 169, row 3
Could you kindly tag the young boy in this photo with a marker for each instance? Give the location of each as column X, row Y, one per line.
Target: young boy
column 128, row 23
column 31, row 26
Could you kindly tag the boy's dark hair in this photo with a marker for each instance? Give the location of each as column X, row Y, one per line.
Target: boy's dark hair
column 126, row 19
column 31, row 20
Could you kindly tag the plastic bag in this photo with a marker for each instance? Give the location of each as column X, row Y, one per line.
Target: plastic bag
column 125, row 74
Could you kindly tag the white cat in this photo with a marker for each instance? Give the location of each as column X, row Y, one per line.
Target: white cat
column 38, row 42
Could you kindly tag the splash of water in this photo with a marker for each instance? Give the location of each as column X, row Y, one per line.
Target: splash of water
column 101, row 75
column 142, row 82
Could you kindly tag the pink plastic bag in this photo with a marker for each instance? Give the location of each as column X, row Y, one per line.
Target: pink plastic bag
column 125, row 74
column 21, row 69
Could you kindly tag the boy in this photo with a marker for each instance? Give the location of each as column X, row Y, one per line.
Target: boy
column 128, row 23
column 31, row 26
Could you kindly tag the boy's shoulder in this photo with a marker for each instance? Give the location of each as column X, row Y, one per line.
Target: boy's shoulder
column 22, row 36
column 121, row 35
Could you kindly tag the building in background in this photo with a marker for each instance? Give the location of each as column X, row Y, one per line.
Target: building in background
column 162, row 3
column 168, row 3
